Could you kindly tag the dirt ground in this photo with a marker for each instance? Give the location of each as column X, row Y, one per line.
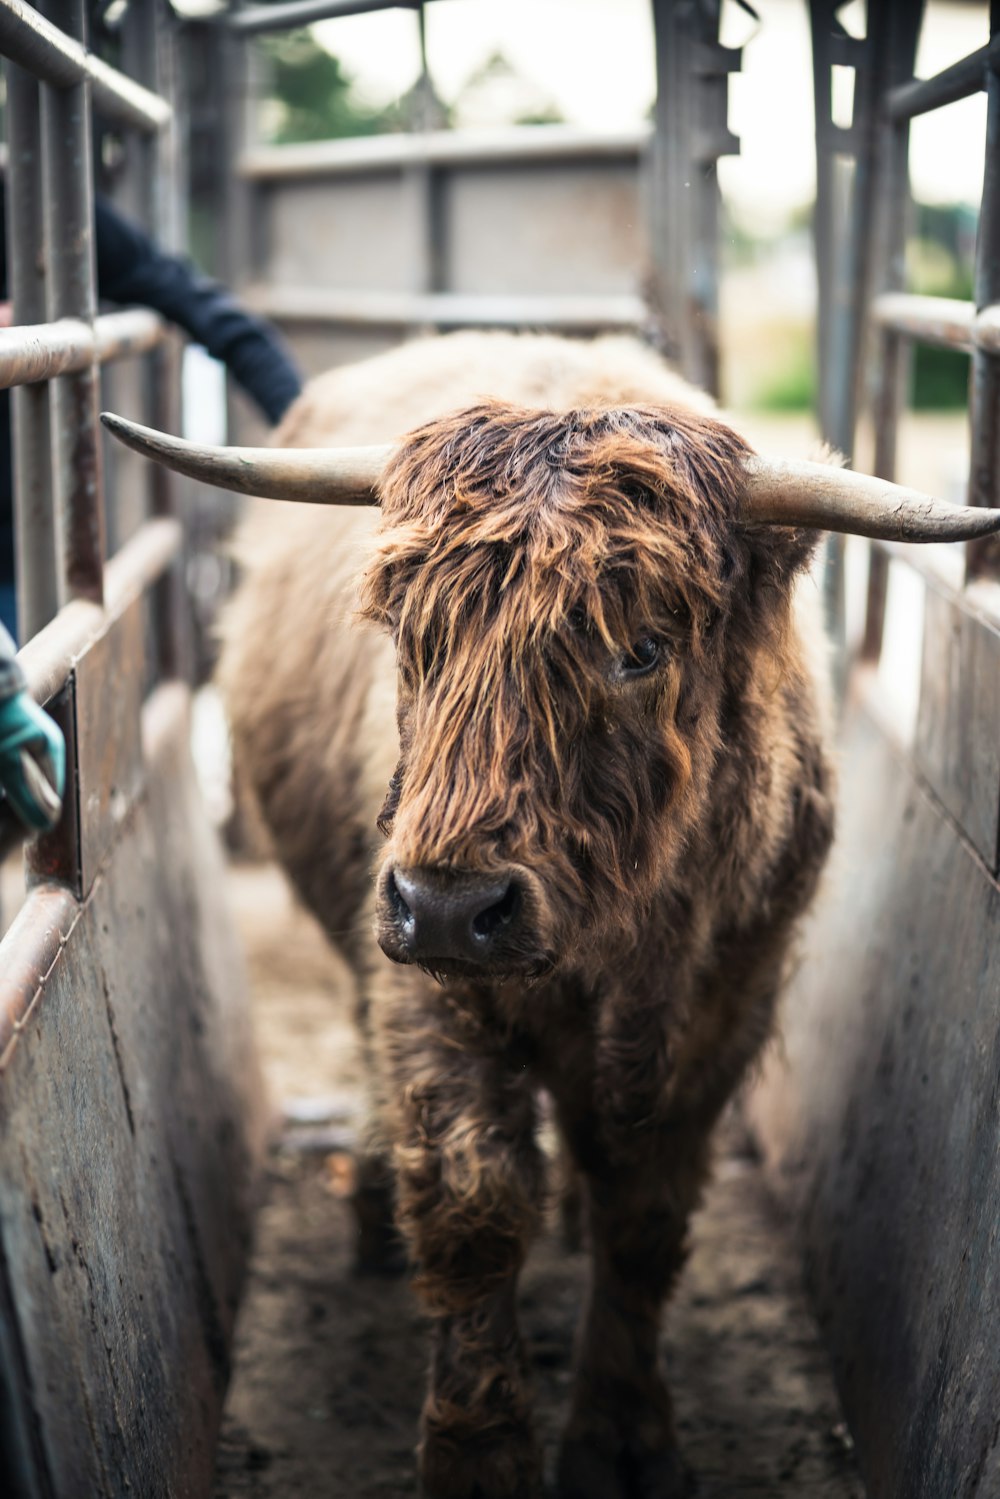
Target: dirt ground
column 328, row 1367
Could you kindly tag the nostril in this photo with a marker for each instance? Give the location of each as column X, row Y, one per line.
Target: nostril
column 398, row 906
column 487, row 923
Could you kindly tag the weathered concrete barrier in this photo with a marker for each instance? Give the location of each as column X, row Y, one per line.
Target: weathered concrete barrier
column 131, row 1118
column 880, row 1115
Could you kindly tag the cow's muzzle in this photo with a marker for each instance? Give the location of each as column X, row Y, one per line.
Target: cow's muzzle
column 455, row 921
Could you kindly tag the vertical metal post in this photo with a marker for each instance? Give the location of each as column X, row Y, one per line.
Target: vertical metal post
column 422, row 183
column 68, row 187
column 983, row 557
column 149, row 55
column 869, row 252
column 690, row 135
column 36, row 529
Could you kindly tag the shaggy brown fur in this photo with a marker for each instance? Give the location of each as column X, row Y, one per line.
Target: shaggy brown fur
column 603, row 692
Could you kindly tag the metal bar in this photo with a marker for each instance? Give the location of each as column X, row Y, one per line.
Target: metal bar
column 986, row 330
column 42, row 351
column 48, row 658
column 983, row 557
column 254, row 19
column 942, row 321
column 442, row 148
column 691, row 132
column 894, row 358
column 54, row 57
column 823, row 217
column 968, row 76
column 35, row 518
column 446, row 309
column 68, row 185
column 31, row 949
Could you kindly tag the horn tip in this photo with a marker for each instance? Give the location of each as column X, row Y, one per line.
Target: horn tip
column 115, row 424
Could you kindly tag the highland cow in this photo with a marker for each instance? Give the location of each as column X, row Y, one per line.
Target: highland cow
column 572, row 670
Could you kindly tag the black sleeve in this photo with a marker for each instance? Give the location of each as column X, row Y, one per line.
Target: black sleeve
column 131, row 269
column 11, row 676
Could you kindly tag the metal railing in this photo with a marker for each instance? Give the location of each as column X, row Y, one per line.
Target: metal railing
column 675, row 297
column 69, row 596
column 862, row 271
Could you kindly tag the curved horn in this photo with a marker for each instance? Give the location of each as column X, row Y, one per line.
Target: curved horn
column 314, row 476
column 838, row 499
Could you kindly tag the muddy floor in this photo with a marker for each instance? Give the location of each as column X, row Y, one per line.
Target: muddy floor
column 328, row 1367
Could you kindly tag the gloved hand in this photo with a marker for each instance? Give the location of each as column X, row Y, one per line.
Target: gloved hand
column 32, row 761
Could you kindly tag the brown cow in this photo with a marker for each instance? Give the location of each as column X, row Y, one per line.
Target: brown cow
column 576, row 679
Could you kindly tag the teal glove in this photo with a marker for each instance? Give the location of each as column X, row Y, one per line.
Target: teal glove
column 32, row 761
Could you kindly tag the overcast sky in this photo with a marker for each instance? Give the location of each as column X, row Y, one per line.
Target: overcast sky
column 594, row 59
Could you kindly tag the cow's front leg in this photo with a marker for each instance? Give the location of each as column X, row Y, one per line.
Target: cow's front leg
column 620, row 1442
column 469, row 1181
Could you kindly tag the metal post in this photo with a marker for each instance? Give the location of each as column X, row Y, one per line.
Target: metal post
column 68, row 189
column 894, row 358
column 848, row 262
column 983, row 557
column 690, row 135
column 35, row 514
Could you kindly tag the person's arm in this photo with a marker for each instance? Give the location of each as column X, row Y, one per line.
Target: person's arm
column 32, row 750
column 132, row 269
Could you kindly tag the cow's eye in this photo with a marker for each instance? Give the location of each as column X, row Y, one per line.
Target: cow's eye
column 640, row 659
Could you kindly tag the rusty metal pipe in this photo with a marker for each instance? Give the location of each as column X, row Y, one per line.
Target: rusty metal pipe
column 43, row 350
column 36, row 527
column 943, row 321
column 39, row 47
column 962, row 78
column 69, row 242
column 47, row 659
column 30, row 949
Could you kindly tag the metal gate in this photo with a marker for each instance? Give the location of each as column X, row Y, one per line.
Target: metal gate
column 127, row 1080
column 880, row 1124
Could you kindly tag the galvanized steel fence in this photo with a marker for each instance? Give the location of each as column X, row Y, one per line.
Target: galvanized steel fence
column 68, row 594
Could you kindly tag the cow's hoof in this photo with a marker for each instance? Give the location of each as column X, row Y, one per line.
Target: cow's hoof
column 587, row 1471
column 500, row 1464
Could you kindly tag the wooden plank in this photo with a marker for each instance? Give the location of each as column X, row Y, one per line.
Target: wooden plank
column 110, row 682
column 529, row 143
column 879, row 1124
column 957, row 743
column 130, row 1123
column 572, row 313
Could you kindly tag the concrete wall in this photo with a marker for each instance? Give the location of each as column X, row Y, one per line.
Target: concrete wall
column 879, row 1115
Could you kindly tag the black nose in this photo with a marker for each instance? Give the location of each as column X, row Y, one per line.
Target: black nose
column 448, row 915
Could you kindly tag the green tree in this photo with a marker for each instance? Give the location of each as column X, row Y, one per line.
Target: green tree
column 315, row 96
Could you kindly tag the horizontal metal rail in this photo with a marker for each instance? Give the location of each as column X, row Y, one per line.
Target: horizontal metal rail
column 49, row 54
column 948, row 323
column 258, row 18
column 48, row 657
column 556, row 143
column 31, row 949
column 41, row 351
column 943, row 321
column 573, row 313
column 958, row 81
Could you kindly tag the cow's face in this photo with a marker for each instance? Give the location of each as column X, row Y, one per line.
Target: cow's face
column 557, row 587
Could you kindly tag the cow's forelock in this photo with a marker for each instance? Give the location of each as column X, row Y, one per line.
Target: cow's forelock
column 521, row 554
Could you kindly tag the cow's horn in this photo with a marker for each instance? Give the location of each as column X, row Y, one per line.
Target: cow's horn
column 838, row 499
column 315, row 476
